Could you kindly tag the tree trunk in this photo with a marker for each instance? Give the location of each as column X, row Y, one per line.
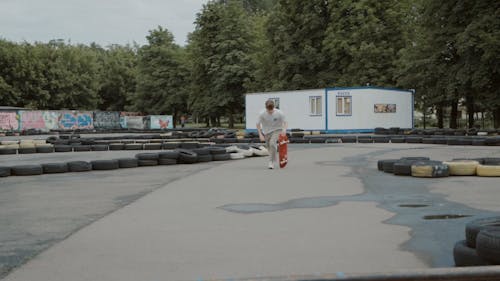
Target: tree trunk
column 440, row 117
column 174, row 118
column 207, row 121
column 496, row 118
column 231, row 118
column 454, row 114
column 469, row 102
column 213, row 120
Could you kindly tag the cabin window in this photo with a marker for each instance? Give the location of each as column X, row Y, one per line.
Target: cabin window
column 315, row 105
column 344, row 105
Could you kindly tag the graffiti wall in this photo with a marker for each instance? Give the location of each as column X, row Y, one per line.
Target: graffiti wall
column 107, row 120
column 8, row 121
column 161, row 122
column 72, row 120
column 135, row 122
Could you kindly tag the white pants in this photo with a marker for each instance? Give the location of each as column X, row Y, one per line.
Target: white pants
column 272, row 144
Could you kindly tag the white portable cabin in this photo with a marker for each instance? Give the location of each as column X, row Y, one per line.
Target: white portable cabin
column 337, row 110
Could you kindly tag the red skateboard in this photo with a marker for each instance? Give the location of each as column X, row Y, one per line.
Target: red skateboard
column 283, row 150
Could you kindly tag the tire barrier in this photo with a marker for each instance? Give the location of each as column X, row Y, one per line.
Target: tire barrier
column 105, row 164
column 488, row 245
column 481, row 246
column 462, row 167
column 79, row 166
column 5, row 172
column 429, row 169
column 125, row 163
column 53, row 168
column 488, row 170
column 466, row 256
column 473, row 228
column 27, row 170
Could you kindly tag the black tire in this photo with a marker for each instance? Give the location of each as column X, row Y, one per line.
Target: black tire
column 189, row 145
column 478, row 142
column 440, row 141
column 214, row 150
column 417, row 158
column 79, row 166
column 397, row 139
column 473, row 228
column 221, row 157
column 63, row 148
column 173, row 154
column 170, row 145
column 466, row 256
column 205, row 158
column 349, row 139
column 143, row 163
column 152, row 146
column 492, row 161
column 27, row 170
column 99, row 147
column 6, row 151
column 365, row 140
column 428, row 140
column 380, row 139
column 128, row 162
column 388, row 165
column 187, row 156
column 117, row 146
column 44, row 149
column 147, row 156
column 403, row 167
column 5, row 172
column 105, row 164
column 167, row 161
column 202, row 151
column 53, row 168
column 488, row 245
column 414, row 140
column 380, row 163
column 80, row 148
column 133, row 146
column 26, row 150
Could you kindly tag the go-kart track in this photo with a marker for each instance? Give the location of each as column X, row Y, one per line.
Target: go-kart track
column 330, row 210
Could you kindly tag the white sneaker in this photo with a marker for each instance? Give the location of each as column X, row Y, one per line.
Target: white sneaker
column 270, row 165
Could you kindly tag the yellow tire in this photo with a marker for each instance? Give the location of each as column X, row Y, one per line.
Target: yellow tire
column 488, row 171
column 429, row 169
column 462, row 167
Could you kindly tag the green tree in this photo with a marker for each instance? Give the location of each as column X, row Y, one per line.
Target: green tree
column 162, row 76
column 118, row 77
column 363, row 40
column 220, row 53
column 296, row 32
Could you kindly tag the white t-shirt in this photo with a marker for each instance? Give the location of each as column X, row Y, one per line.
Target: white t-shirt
column 271, row 122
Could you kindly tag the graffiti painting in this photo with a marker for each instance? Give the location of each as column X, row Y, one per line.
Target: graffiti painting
column 9, row 121
column 161, row 122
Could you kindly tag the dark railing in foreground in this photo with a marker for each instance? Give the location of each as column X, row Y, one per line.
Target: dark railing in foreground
column 482, row 273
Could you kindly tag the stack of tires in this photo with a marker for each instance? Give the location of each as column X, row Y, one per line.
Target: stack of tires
column 423, row 167
column 481, row 245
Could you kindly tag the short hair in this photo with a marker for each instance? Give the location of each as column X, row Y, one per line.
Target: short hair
column 269, row 103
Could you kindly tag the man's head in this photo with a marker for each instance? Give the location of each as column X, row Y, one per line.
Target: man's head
column 269, row 105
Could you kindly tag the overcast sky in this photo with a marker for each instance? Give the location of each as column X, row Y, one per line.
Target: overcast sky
column 102, row 21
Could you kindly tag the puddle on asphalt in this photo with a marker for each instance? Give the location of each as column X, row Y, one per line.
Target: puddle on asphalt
column 300, row 203
column 445, row 217
column 413, row 205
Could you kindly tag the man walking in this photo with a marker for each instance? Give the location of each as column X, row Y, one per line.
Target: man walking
column 271, row 123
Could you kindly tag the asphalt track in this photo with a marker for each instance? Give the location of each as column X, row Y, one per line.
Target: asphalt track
column 329, row 211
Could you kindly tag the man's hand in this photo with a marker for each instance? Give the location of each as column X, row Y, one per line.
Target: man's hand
column 261, row 137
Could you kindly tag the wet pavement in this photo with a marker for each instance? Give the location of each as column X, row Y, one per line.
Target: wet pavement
column 338, row 182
